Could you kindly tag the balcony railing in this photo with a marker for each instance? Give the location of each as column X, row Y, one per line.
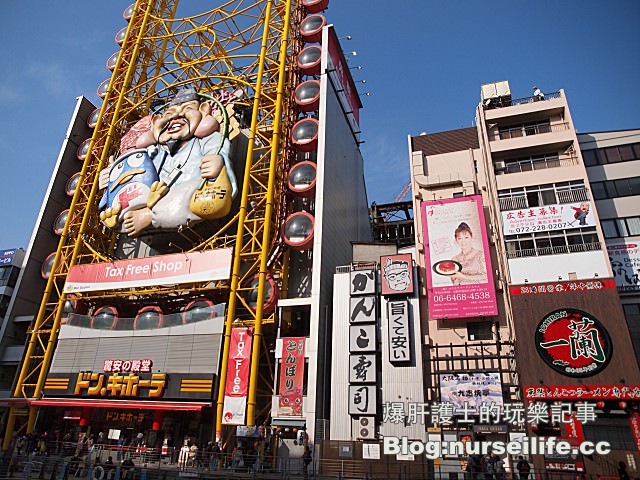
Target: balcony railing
column 528, row 130
column 563, row 196
column 502, row 102
column 531, row 164
column 554, row 250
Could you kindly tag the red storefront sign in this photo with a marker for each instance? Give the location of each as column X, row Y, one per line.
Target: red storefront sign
column 237, row 385
column 562, row 287
column 160, row 270
column 291, row 376
column 583, row 392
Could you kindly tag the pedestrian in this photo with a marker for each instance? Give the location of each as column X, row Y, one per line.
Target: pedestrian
column 306, row 460
column 498, row 466
column 215, row 456
column 523, row 468
column 537, row 94
column 622, row 471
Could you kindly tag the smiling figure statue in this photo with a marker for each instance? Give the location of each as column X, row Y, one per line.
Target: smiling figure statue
column 187, row 175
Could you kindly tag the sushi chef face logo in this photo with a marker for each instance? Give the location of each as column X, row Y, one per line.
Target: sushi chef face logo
column 573, row 343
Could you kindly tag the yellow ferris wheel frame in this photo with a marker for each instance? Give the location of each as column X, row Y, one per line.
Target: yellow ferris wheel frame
column 247, row 46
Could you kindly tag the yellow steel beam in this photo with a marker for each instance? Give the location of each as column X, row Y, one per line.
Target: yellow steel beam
column 266, row 233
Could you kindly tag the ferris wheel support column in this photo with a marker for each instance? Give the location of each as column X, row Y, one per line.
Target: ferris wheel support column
column 266, row 233
column 235, row 275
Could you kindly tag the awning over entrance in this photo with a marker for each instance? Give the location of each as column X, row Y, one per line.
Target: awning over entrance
column 99, row 403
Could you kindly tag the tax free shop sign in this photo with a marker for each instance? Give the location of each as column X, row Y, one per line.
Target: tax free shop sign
column 142, row 272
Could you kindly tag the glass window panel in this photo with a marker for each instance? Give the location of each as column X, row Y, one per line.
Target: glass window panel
column 598, row 190
column 548, row 197
column 631, row 308
column 613, row 155
column 609, row 228
column 633, row 225
column 612, row 191
column 634, row 185
column 626, row 152
column 622, row 187
column 533, row 199
column 590, row 157
column 622, row 227
column 636, row 150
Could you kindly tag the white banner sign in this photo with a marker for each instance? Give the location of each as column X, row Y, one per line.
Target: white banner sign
column 547, row 218
column 625, row 263
column 399, row 344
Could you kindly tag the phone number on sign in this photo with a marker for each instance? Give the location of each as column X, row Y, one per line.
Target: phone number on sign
column 461, row 297
column 539, row 228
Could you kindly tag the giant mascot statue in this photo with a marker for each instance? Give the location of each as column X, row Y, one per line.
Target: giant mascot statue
column 178, row 172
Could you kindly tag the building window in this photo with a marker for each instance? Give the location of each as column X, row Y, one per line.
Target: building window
column 616, row 154
column 541, row 195
column 479, row 331
column 621, row 227
column 616, row 431
column 525, row 129
column 622, row 187
column 552, row 243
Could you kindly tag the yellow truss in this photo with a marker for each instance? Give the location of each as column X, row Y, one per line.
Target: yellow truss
column 244, row 46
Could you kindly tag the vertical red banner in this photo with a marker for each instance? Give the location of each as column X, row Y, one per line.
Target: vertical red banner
column 291, row 376
column 237, row 386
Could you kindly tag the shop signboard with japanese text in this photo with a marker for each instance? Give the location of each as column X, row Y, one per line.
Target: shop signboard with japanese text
column 237, row 386
column 547, row 218
column 459, row 275
column 6, row 256
column 291, row 376
column 625, row 263
column 471, row 389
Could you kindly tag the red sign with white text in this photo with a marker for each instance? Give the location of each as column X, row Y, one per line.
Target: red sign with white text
column 584, row 392
column 339, row 65
column 143, row 272
column 237, row 386
column 562, row 287
column 291, row 376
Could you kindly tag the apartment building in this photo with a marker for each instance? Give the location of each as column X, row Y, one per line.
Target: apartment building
column 518, row 298
column 612, row 160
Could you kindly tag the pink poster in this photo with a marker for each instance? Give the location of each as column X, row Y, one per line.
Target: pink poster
column 459, row 279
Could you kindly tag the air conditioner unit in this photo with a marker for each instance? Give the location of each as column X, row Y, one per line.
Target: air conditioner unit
column 365, row 428
column 500, row 165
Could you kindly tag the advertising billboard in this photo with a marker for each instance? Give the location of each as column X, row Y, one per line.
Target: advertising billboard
column 237, row 386
column 470, row 389
column 291, row 376
column 6, row 256
column 158, row 270
column 459, row 275
column 625, row 263
column 547, row 218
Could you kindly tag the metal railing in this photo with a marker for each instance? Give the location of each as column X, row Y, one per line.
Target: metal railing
column 563, row 196
column 528, row 130
column 501, row 102
column 532, row 164
column 552, row 250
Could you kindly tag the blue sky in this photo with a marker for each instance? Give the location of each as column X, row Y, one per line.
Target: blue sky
column 423, row 62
